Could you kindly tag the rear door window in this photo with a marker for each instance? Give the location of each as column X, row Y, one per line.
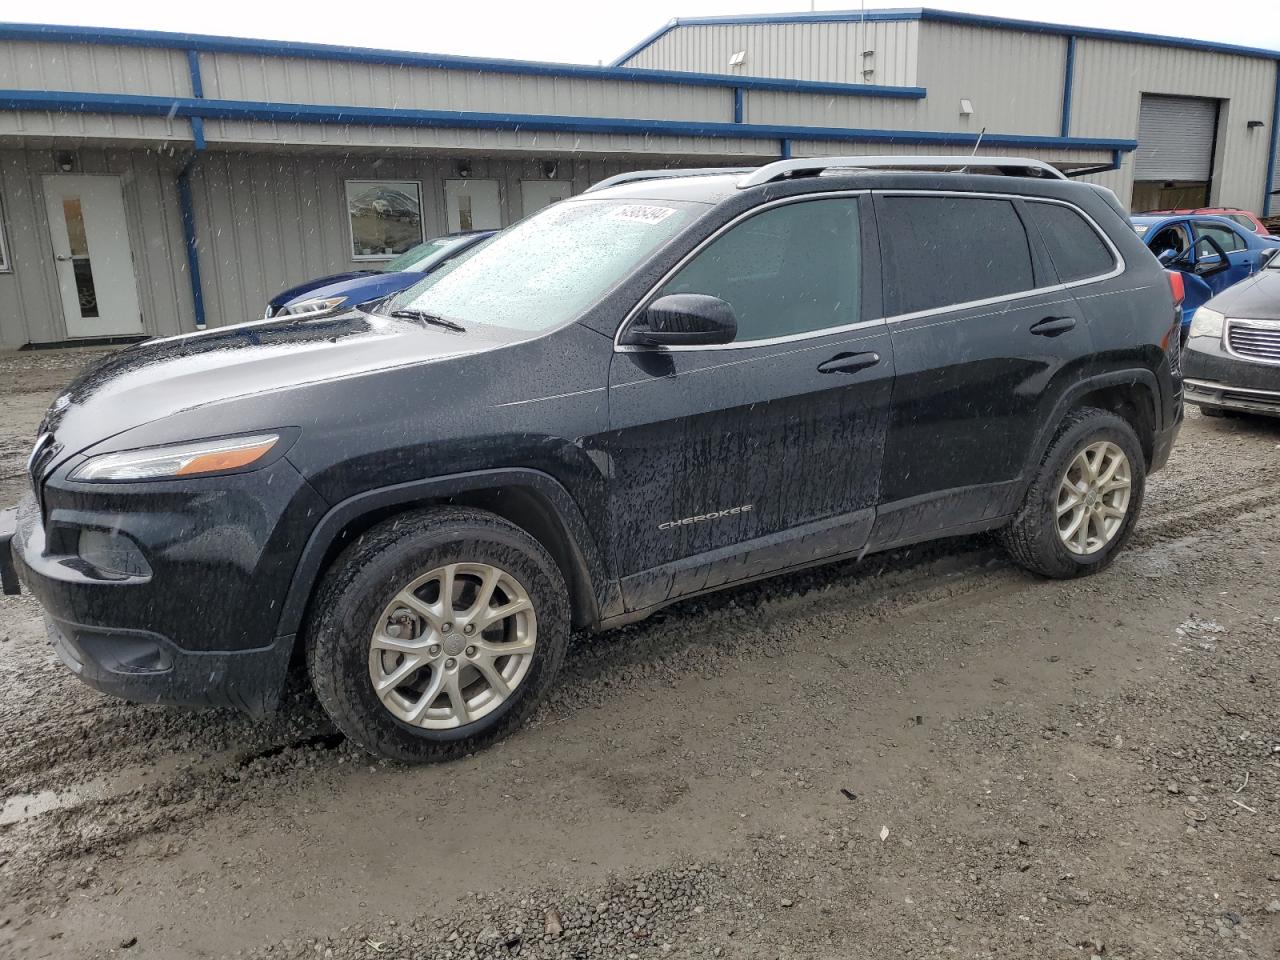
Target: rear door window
column 1227, row 238
column 941, row 251
column 1076, row 249
column 794, row 269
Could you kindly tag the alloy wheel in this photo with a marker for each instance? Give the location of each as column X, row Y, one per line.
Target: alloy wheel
column 1093, row 498
column 453, row 645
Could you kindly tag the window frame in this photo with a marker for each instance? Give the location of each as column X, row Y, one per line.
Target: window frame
column 351, row 231
column 1037, row 245
column 6, row 264
column 870, row 257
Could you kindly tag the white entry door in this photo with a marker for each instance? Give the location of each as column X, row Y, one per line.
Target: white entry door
column 536, row 194
column 92, row 256
column 472, row 205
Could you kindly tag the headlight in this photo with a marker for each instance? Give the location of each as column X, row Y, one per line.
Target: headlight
column 313, row 308
column 1206, row 323
column 178, row 460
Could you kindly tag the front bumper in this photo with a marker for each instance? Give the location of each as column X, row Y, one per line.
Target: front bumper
column 197, row 622
column 147, row 668
column 1224, row 396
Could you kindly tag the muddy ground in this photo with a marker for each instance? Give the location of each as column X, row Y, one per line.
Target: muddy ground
column 931, row 754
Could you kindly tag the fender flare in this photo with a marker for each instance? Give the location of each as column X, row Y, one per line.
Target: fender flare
column 1069, row 398
column 584, row 554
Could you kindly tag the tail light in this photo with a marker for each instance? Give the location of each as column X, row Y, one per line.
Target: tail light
column 1176, row 286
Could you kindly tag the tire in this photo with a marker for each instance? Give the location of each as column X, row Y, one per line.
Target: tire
column 1033, row 538
column 370, row 578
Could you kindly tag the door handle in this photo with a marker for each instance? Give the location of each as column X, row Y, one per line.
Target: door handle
column 1053, row 326
column 60, row 258
column 849, row 362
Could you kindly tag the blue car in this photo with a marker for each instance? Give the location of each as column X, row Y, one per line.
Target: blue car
column 1211, row 253
column 326, row 295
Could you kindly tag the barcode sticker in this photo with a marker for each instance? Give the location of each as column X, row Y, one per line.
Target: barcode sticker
column 642, row 213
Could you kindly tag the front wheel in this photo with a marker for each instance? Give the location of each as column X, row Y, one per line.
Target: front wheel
column 437, row 633
column 1083, row 501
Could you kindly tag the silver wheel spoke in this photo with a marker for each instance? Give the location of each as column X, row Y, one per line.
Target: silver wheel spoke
column 400, row 673
column 1113, row 485
column 501, row 613
column 384, row 641
column 428, row 697
column 1072, row 503
column 490, row 672
column 485, row 595
column 516, row 648
column 457, row 699
column 423, row 609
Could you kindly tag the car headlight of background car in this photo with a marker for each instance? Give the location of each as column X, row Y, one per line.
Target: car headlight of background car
column 315, row 307
column 1206, row 323
column 177, row 460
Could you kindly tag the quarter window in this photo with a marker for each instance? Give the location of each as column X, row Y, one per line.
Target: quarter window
column 1074, row 247
column 386, row 217
column 1227, row 238
column 790, row 270
column 940, row 251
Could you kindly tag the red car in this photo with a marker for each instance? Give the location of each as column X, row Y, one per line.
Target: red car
column 1242, row 217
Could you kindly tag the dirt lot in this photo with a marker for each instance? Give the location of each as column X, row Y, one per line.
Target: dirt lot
column 930, row 754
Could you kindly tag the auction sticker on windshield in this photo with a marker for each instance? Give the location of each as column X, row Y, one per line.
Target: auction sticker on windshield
column 642, row 213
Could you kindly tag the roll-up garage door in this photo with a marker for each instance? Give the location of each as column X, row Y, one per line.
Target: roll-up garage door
column 1175, row 138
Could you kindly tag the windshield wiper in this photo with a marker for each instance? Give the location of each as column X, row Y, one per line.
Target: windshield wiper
column 430, row 318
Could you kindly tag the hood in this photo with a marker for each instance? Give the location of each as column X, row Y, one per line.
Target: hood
column 160, row 378
column 284, row 296
column 1257, row 298
column 358, row 289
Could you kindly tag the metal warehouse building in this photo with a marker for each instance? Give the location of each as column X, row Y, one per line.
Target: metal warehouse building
column 155, row 183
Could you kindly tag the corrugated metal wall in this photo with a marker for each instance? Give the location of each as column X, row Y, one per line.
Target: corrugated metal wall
column 1110, row 78
column 268, row 221
column 30, row 309
column 295, row 80
column 797, row 51
column 93, row 69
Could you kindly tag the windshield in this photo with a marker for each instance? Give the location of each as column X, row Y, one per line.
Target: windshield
column 414, row 256
column 547, row 269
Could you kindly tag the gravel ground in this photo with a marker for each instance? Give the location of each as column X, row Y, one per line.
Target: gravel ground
column 930, row 754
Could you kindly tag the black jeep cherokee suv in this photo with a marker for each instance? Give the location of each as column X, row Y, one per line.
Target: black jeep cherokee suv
column 673, row 383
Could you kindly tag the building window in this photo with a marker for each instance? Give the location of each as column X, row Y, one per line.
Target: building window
column 386, row 217
column 5, row 265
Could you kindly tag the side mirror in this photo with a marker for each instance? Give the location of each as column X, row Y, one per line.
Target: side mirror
column 683, row 319
column 1210, row 263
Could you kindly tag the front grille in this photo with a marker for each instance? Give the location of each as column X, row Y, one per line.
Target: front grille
column 1255, row 339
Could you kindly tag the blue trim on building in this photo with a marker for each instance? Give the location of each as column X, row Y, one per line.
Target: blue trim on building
column 133, row 105
column 737, row 104
column 1268, row 197
column 52, row 33
column 963, row 19
column 187, row 207
column 1068, row 81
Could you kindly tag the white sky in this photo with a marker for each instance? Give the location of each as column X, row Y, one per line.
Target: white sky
column 589, row 31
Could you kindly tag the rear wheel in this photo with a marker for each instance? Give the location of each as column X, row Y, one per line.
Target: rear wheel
column 1083, row 501
column 435, row 634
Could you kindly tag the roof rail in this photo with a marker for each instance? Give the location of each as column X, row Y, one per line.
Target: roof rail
column 635, row 176
column 812, row 166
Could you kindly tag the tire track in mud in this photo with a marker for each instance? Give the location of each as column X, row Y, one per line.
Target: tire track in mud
column 79, row 810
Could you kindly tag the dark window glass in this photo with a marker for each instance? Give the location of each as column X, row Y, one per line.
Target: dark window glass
column 1074, row 247
column 789, row 270
column 1228, row 238
column 940, row 251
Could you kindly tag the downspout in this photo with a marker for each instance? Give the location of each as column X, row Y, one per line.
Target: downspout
column 185, row 203
column 1270, row 185
column 1068, row 80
